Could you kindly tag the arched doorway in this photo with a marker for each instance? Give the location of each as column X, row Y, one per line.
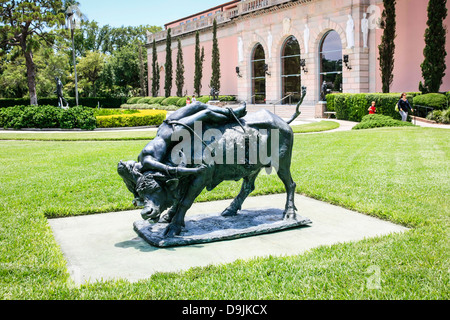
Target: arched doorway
column 330, row 52
column 258, row 74
column 291, row 71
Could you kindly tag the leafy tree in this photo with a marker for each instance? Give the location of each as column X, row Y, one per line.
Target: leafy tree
column 121, row 73
column 168, row 65
column 49, row 64
column 106, row 39
column 215, row 62
column 180, row 70
column 13, row 77
column 433, row 66
column 387, row 47
column 199, row 58
column 26, row 24
column 91, row 67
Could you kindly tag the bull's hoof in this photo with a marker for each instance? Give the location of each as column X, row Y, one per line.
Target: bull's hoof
column 165, row 218
column 172, row 230
column 229, row 212
column 290, row 215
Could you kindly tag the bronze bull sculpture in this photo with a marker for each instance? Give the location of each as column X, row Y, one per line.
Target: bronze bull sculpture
column 218, row 145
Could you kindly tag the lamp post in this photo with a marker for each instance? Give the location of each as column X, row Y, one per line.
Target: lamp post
column 72, row 25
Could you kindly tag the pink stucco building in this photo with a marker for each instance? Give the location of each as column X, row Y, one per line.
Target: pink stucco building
column 280, row 45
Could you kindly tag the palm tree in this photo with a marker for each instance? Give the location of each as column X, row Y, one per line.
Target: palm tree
column 74, row 16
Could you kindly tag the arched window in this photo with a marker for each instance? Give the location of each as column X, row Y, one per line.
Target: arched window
column 290, row 72
column 258, row 74
column 331, row 62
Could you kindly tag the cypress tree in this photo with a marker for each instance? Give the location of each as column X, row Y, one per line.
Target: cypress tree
column 180, row 70
column 168, row 65
column 433, row 66
column 155, row 71
column 387, row 47
column 157, row 80
column 215, row 62
column 199, row 58
column 141, row 72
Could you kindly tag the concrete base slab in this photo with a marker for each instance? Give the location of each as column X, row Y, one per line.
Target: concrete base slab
column 211, row 227
column 105, row 246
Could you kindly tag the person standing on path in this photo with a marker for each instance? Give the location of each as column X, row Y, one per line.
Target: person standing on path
column 404, row 107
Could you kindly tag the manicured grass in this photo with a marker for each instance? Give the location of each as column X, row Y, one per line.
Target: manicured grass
column 107, row 135
column 397, row 174
column 111, row 135
column 315, row 127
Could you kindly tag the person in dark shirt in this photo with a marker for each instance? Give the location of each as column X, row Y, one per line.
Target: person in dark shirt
column 404, row 107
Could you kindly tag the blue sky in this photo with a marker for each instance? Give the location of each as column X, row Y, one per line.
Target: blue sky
column 118, row 13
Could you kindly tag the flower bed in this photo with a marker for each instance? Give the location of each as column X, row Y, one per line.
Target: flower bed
column 142, row 118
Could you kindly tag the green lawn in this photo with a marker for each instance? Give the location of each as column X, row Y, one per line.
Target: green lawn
column 397, row 174
column 315, row 126
column 107, row 135
column 112, row 135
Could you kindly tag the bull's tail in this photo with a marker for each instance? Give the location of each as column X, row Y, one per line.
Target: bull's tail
column 297, row 110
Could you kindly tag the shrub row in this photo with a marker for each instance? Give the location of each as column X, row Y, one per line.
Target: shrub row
column 19, row 117
column 436, row 101
column 377, row 121
column 53, row 101
column 173, row 101
column 148, row 106
column 142, row 118
column 440, row 116
column 354, row 107
column 110, row 112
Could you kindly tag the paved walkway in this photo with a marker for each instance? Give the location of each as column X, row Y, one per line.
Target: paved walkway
column 430, row 125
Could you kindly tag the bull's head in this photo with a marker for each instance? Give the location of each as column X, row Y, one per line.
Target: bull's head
column 153, row 190
column 158, row 193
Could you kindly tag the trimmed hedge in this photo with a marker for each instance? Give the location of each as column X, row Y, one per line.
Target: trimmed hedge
column 110, row 112
column 182, row 102
column 377, row 121
column 53, row 101
column 354, row 107
column 19, row 117
column 157, row 100
column 204, row 99
column 143, row 118
column 436, row 101
column 133, row 100
column 148, row 107
column 172, row 101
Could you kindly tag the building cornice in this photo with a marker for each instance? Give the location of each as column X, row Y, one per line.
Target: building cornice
column 245, row 10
